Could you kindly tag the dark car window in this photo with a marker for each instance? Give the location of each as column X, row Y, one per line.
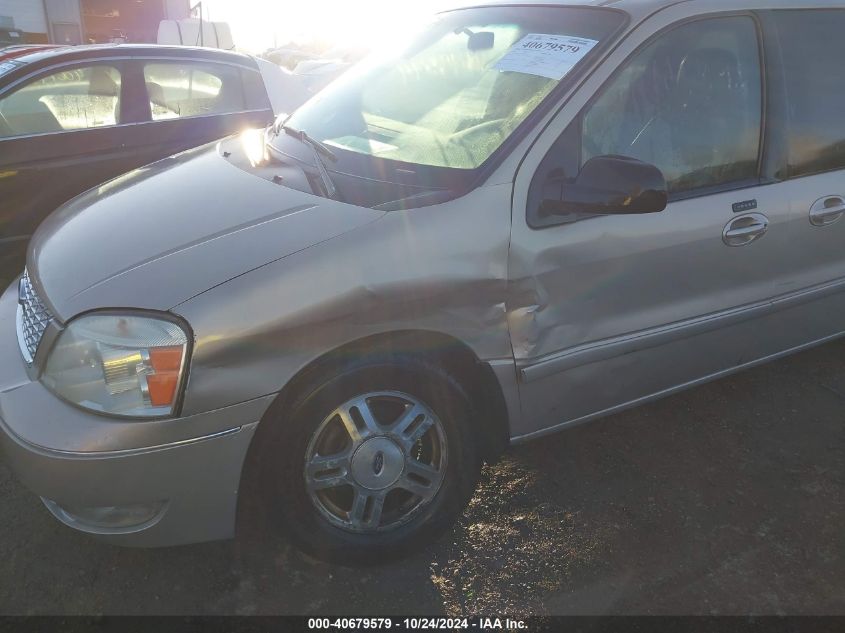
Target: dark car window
column 74, row 99
column 184, row 89
column 689, row 103
column 812, row 64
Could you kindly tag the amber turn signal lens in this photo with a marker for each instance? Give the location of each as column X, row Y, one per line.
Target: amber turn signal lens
column 166, row 363
column 162, row 388
column 165, row 359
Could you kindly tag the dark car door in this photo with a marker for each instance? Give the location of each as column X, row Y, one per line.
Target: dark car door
column 62, row 131
column 191, row 102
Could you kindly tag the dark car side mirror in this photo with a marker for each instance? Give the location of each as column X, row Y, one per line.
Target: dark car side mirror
column 607, row 185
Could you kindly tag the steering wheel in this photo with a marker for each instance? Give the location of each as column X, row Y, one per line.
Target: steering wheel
column 5, row 128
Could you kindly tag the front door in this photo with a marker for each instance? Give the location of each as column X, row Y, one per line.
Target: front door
column 608, row 310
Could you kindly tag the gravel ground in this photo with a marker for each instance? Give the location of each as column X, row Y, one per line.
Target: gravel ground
column 728, row 499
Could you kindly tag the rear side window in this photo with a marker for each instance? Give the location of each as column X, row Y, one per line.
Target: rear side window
column 186, row 89
column 74, row 99
column 815, row 84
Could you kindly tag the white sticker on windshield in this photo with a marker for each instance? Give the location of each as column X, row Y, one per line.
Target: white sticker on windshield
column 551, row 56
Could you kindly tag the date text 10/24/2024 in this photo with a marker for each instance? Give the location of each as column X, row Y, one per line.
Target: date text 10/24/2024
column 417, row 623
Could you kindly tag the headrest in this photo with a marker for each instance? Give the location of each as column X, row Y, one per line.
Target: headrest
column 707, row 71
column 102, row 84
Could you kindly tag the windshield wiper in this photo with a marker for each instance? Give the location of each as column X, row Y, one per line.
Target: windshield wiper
column 321, row 152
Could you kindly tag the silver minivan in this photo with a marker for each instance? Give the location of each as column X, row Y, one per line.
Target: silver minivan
column 519, row 218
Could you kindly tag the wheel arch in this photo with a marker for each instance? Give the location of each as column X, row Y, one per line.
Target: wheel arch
column 452, row 355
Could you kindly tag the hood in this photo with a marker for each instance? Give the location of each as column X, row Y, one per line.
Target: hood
column 167, row 232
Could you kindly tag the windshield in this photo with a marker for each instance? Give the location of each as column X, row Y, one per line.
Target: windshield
column 453, row 93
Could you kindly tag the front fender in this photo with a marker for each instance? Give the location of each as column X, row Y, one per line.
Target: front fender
column 441, row 268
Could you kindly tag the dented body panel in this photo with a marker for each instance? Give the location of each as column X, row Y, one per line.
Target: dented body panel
column 430, row 269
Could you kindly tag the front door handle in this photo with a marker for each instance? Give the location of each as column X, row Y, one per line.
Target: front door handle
column 745, row 229
column 827, row 210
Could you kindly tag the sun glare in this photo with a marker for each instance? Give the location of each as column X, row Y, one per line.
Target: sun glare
column 261, row 24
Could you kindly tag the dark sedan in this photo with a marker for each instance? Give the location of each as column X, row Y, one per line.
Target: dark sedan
column 72, row 118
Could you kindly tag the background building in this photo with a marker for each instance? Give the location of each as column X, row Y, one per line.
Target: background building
column 88, row 21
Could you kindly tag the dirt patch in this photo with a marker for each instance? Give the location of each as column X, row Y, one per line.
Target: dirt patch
column 513, row 546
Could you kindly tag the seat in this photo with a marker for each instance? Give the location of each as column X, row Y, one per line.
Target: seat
column 102, row 84
column 708, row 117
column 36, row 119
column 156, row 96
column 708, row 87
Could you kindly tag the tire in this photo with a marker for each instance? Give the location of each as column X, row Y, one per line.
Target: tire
column 325, row 468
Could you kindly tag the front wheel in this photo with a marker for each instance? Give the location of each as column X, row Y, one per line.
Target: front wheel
column 374, row 461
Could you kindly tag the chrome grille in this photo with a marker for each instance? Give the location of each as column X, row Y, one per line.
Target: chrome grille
column 33, row 318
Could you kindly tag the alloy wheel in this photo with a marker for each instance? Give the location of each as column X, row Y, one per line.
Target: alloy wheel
column 375, row 461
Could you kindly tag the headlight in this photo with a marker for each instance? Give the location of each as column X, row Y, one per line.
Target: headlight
column 119, row 364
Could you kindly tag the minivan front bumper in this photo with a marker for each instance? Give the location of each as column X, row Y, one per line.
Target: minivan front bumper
column 139, row 483
column 168, row 495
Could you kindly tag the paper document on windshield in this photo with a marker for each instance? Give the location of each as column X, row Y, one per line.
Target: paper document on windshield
column 551, row 56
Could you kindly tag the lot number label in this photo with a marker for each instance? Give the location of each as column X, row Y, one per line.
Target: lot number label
column 551, row 56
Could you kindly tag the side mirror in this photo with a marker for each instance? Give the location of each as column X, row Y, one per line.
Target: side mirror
column 607, row 185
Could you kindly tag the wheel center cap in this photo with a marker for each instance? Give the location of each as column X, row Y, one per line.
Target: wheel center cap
column 377, row 463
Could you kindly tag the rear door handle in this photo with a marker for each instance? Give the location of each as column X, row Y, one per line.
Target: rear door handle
column 827, row 210
column 745, row 229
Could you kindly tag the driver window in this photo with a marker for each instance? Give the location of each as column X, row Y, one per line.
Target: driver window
column 689, row 103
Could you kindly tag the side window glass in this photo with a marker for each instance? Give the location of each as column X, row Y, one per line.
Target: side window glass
column 188, row 89
column 75, row 99
column 812, row 65
column 689, row 103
